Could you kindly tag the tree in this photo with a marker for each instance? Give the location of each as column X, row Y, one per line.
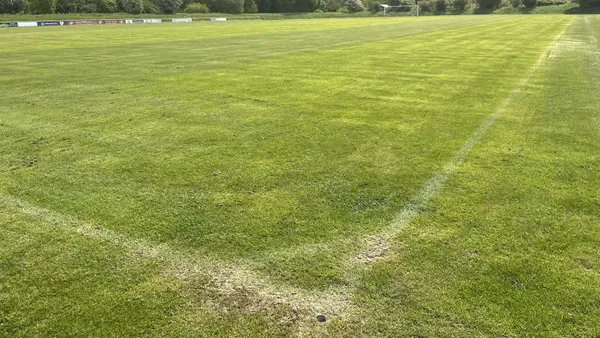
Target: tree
column 11, row 6
column 225, row 6
column 460, row 4
column 250, row 6
column 529, row 3
column 43, row 6
column 264, row 6
column 588, row 3
column 332, row 5
column 354, row 6
column 132, row 6
column 440, row 5
column 488, row 4
column 375, row 6
column 168, row 6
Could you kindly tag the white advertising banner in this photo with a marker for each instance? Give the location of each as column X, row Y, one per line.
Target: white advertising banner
column 27, row 24
column 182, row 20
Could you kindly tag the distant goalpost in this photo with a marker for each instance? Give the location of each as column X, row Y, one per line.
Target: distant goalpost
column 386, row 7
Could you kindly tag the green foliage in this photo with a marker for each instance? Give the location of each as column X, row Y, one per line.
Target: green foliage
column 440, row 5
column 375, row 7
column 354, row 6
column 264, row 6
column 132, row 6
column 12, row 6
column 529, row 3
column 427, row 5
column 342, row 10
column 196, row 8
column 168, row 6
column 150, row 7
column 332, row 5
column 107, row 6
column 318, row 10
column 488, row 4
column 588, row 3
column 514, row 3
column 225, row 6
column 250, row 6
column 43, row 6
column 551, row 2
column 459, row 4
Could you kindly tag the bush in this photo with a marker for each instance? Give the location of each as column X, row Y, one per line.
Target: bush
column 250, row 6
column 11, row 6
column 440, row 5
column 342, row 10
column 196, row 8
column 318, row 10
column 514, row 3
column 132, row 6
column 529, row 3
column 354, row 6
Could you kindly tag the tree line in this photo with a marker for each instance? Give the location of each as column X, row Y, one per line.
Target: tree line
column 248, row 6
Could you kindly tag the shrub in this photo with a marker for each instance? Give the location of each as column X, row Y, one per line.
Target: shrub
column 250, row 6
column 196, row 8
column 440, row 5
column 132, row 6
column 11, row 6
column 318, row 10
column 529, row 3
column 514, row 3
column 354, row 6
column 342, row 10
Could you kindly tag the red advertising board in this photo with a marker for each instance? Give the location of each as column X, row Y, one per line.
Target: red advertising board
column 110, row 22
column 81, row 22
column 94, row 22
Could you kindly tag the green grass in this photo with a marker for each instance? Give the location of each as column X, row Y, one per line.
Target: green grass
column 144, row 169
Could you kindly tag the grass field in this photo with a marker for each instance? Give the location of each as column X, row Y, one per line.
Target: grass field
column 432, row 177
